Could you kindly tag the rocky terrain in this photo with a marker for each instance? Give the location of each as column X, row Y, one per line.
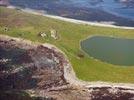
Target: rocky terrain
column 36, row 72
column 24, row 66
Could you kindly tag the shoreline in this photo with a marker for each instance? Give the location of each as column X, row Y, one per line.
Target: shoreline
column 69, row 73
column 40, row 12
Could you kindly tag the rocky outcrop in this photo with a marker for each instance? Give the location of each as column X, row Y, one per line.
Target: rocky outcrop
column 41, row 71
column 24, row 66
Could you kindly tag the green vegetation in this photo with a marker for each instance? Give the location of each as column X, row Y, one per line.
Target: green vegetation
column 28, row 26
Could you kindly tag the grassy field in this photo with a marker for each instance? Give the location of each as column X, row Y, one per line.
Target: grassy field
column 28, row 26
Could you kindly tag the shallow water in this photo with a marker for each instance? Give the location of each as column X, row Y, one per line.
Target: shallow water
column 114, row 11
column 111, row 50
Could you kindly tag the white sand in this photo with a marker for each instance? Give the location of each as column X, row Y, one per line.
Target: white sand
column 103, row 24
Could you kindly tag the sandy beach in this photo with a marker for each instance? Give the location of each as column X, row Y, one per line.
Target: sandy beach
column 103, row 24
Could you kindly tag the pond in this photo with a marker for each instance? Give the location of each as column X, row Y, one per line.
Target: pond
column 115, row 51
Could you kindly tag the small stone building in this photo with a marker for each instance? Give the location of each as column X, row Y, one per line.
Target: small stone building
column 42, row 34
column 54, row 34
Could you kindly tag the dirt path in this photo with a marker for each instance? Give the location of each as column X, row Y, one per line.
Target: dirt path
column 69, row 73
column 70, row 76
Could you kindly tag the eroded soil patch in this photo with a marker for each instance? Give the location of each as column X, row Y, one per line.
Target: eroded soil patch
column 25, row 66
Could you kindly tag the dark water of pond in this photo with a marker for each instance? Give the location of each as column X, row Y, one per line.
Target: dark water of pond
column 117, row 12
column 115, row 51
